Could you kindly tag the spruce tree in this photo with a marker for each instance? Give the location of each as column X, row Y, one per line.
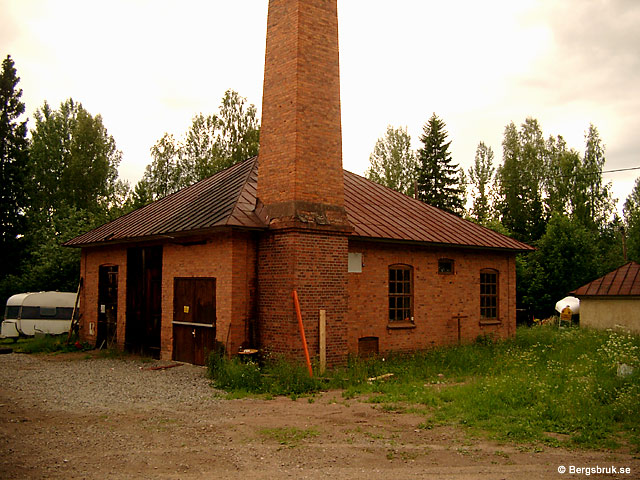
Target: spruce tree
column 438, row 176
column 13, row 162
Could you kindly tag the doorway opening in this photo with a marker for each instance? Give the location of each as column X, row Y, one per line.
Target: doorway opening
column 107, row 306
column 144, row 300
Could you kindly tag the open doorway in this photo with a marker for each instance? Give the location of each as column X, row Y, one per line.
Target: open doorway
column 107, row 306
column 144, row 300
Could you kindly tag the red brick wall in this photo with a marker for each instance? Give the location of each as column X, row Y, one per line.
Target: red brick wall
column 437, row 298
column 90, row 262
column 300, row 135
column 229, row 257
column 315, row 264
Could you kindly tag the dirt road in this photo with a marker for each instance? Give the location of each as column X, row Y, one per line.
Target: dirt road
column 77, row 417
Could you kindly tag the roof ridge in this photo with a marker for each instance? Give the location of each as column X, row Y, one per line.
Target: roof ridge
column 241, row 190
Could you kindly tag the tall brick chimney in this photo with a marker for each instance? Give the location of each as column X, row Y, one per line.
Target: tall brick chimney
column 300, row 180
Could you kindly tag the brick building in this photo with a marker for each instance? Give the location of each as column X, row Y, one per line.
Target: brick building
column 218, row 261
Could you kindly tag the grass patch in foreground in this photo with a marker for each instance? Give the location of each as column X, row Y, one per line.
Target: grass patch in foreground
column 276, row 377
column 547, row 385
column 289, row 436
column 45, row 344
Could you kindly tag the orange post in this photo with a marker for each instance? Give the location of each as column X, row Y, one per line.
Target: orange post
column 304, row 338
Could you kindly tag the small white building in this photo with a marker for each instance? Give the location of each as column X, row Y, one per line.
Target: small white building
column 612, row 301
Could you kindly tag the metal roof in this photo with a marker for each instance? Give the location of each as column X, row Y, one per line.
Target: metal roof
column 375, row 211
column 622, row 282
column 223, row 200
column 228, row 199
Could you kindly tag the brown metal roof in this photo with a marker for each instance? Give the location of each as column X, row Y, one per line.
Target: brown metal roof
column 378, row 212
column 228, row 199
column 624, row 281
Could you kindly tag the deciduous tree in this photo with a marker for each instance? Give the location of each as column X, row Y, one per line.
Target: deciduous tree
column 632, row 221
column 73, row 162
column 596, row 205
column 566, row 258
column 393, row 162
column 519, row 178
column 73, row 186
column 212, row 143
column 481, row 175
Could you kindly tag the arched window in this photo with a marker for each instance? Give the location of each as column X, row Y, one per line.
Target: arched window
column 400, row 293
column 489, row 294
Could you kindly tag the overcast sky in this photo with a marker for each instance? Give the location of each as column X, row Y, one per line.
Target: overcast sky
column 148, row 66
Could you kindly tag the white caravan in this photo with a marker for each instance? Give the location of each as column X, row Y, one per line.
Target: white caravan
column 41, row 312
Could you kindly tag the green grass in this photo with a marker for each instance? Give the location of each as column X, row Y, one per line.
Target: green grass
column 289, row 436
column 44, row 344
column 277, row 377
column 546, row 386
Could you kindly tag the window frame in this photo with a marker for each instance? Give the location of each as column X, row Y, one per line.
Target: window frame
column 398, row 315
column 489, row 300
column 451, row 262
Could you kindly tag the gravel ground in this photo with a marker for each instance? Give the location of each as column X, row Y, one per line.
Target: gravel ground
column 101, row 385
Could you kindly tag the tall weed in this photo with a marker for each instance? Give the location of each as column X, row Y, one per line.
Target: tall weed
column 544, row 382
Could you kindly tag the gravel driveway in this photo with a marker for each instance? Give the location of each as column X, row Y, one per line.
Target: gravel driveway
column 101, row 385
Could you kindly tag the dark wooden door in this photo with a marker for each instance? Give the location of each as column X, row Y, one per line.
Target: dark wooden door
column 107, row 305
column 194, row 319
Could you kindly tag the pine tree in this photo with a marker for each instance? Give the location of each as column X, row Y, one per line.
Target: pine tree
column 13, row 163
column 438, row 176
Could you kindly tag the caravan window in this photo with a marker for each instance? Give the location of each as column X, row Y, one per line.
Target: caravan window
column 31, row 312
column 47, row 312
column 12, row 312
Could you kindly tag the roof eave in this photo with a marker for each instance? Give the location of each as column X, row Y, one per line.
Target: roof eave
column 163, row 237
column 606, row 297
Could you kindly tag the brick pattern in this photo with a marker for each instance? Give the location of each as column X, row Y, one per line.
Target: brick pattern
column 300, row 181
column 300, row 135
column 437, row 298
column 229, row 257
column 90, row 262
column 315, row 264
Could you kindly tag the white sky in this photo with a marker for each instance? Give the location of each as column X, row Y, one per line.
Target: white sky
column 148, row 66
